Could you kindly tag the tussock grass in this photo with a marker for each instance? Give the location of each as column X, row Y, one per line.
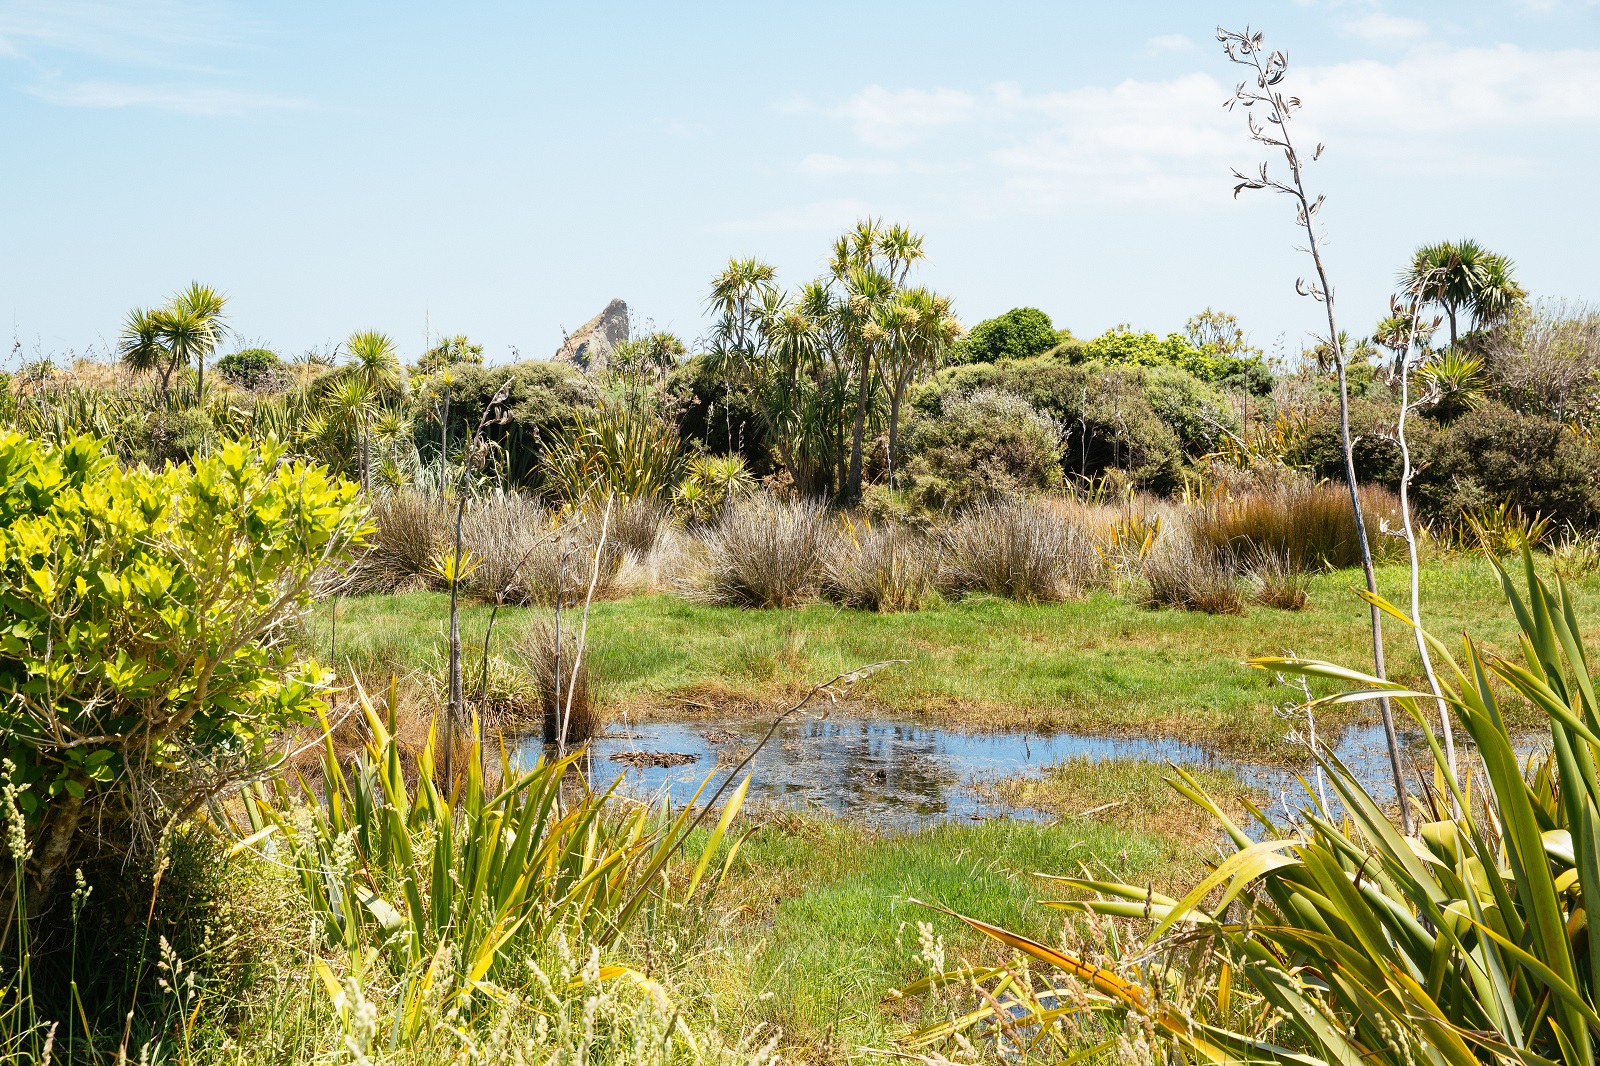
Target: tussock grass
column 1023, row 550
column 1275, row 582
column 1183, row 574
column 886, row 567
column 411, row 527
column 537, row 647
column 1309, row 525
column 764, row 552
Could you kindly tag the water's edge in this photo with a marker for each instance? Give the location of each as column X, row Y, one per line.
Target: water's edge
column 900, row 774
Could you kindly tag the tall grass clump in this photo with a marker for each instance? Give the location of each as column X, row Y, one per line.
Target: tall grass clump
column 562, row 679
column 764, row 552
column 884, row 567
column 411, row 528
column 1185, row 573
column 1275, row 582
column 1309, row 525
column 1022, row 549
column 483, row 921
column 501, row 533
column 637, row 524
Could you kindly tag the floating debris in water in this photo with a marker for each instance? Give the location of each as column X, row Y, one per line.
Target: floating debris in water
column 720, row 736
column 640, row 759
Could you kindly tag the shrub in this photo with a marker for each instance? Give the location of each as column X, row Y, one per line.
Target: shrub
column 1317, row 448
column 1499, row 454
column 1020, row 333
column 985, row 446
column 764, row 552
column 1184, row 574
column 253, row 369
column 884, row 567
column 1122, row 347
column 1307, row 525
column 146, row 660
column 1022, row 550
column 1133, row 419
column 545, row 400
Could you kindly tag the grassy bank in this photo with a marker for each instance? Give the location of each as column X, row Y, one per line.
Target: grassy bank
column 818, row 921
column 1101, row 664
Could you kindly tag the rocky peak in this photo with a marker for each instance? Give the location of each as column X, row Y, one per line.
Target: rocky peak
column 589, row 346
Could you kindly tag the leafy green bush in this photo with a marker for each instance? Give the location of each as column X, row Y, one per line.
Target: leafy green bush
column 253, row 368
column 719, row 418
column 1122, row 347
column 1137, row 420
column 1020, row 333
column 160, row 435
column 545, row 400
column 987, row 445
column 1317, row 448
column 1497, row 454
column 144, row 660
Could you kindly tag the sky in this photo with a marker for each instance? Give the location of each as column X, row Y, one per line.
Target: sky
column 504, row 170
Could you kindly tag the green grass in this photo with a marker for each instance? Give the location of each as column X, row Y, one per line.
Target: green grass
column 818, row 920
column 1102, row 664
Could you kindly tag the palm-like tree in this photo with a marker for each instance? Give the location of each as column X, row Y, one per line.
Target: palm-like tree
column 1463, row 276
column 142, row 347
column 347, row 411
column 1498, row 292
column 375, row 362
column 921, row 329
column 191, row 327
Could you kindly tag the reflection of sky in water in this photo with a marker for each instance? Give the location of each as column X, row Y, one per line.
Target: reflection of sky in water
column 902, row 773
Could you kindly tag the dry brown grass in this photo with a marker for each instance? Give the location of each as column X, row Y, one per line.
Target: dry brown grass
column 763, row 552
column 537, row 647
column 883, row 567
column 1191, row 576
column 1275, row 582
column 411, row 527
column 1024, row 550
column 1309, row 525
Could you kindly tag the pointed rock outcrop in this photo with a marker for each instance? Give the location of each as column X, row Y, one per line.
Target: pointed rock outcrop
column 589, row 346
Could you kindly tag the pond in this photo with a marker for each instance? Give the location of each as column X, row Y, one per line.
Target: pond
column 901, row 774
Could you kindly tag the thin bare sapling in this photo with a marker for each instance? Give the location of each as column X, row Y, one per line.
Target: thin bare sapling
column 1262, row 95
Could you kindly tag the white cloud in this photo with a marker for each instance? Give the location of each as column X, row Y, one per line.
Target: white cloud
column 145, row 32
column 1171, row 42
column 1387, row 29
column 188, row 100
column 1434, row 90
column 1170, row 141
column 885, row 119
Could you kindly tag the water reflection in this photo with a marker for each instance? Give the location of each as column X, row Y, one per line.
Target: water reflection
column 901, row 774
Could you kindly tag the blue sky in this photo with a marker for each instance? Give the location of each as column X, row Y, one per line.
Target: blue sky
column 504, row 170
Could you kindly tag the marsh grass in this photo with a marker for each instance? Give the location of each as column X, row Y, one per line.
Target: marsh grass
column 1275, row 582
column 1131, row 795
column 1023, row 550
column 763, row 552
column 1310, row 525
column 883, row 567
column 1186, row 575
column 569, row 701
